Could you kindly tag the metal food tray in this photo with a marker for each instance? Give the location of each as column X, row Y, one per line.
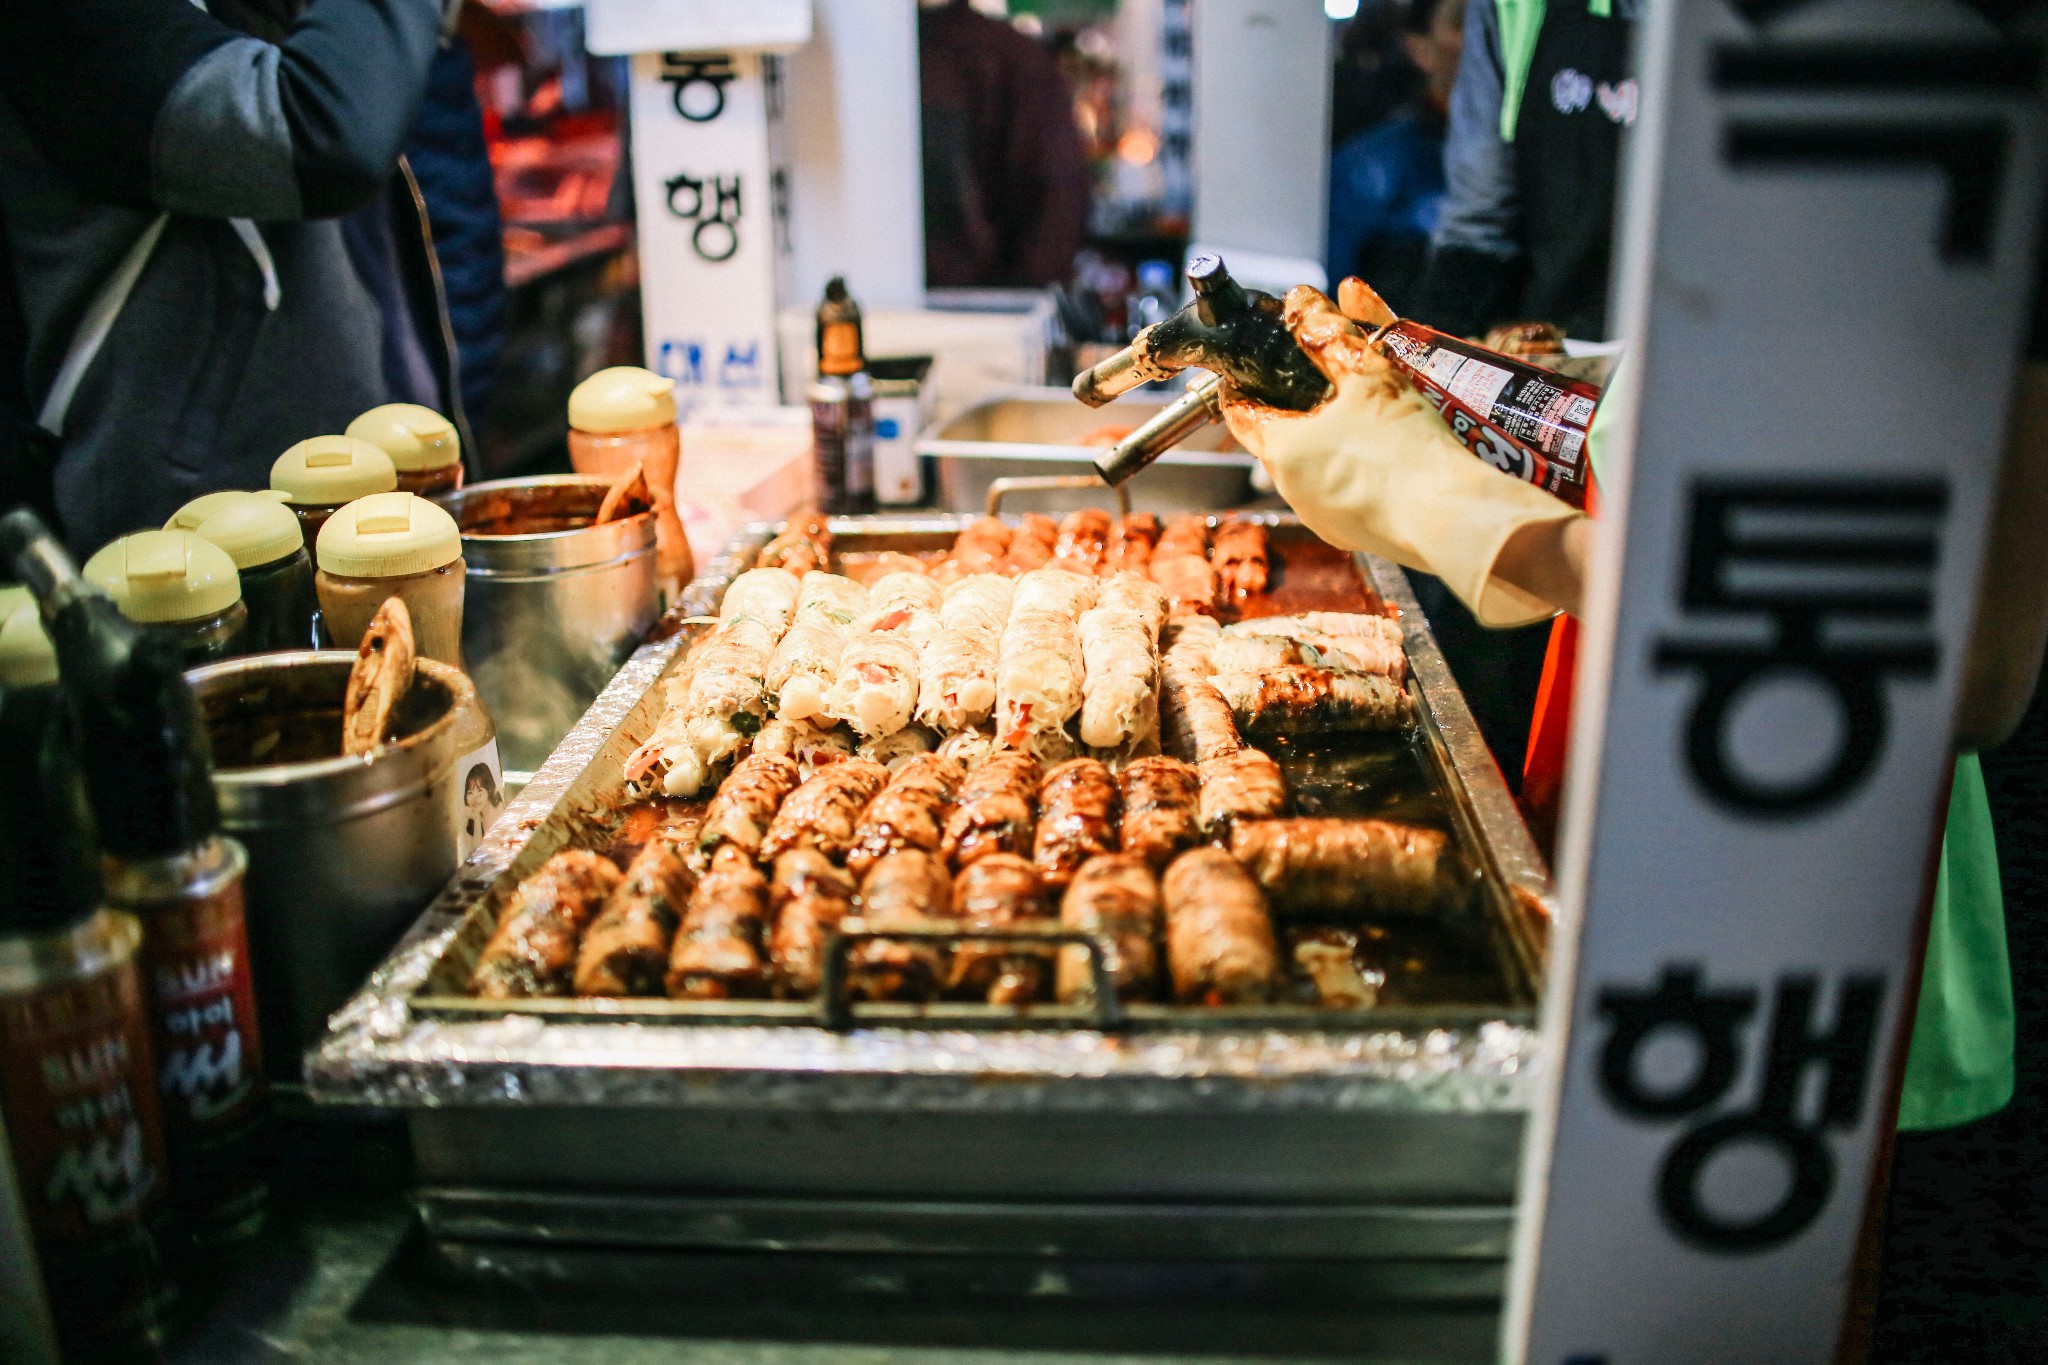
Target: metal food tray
column 1388, row 1134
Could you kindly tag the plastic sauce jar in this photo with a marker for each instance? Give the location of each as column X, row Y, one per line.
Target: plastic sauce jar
column 177, row 583
column 393, row 545
column 623, row 415
column 324, row 473
column 421, row 443
column 263, row 537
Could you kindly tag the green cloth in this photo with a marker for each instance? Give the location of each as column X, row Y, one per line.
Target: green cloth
column 1520, row 22
column 1960, row 1066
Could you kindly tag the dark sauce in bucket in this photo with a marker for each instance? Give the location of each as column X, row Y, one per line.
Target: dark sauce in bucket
column 531, row 510
column 277, row 721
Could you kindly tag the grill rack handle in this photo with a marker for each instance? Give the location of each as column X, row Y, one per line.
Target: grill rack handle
column 1052, row 483
column 835, row 1010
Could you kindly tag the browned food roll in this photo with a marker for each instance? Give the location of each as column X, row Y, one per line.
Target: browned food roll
column 625, row 951
column 805, row 544
column 1302, row 699
column 1083, row 540
column 1195, row 722
column 910, row 812
column 1246, row 785
column 907, row 889
column 810, row 896
column 746, row 804
column 1161, row 808
column 1188, row 581
column 998, row 802
column 981, row 547
column 1116, row 898
column 717, row 954
column 822, row 813
column 1238, row 554
column 1031, row 547
column 1130, row 548
column 1219, row 937
column 994, row 892
column 1076, row 819
column 1187, row 535
column 533, row 951
column 1378, row 866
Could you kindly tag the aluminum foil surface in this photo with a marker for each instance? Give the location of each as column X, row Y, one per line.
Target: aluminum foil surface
column 380, row 1051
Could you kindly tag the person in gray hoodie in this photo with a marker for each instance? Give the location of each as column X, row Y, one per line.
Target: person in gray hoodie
column 173, row 176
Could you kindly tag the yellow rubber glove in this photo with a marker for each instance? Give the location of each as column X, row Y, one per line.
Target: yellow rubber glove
column 1375, row 468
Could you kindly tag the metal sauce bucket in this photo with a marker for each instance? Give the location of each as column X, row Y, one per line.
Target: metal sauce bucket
column 553, row 606
column 343, row 852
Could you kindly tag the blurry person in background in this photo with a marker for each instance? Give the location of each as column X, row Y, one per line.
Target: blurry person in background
column 1387, row 182
column 1374, row 76
column 1006, row 182
column 1544, row 93
column 172, row 178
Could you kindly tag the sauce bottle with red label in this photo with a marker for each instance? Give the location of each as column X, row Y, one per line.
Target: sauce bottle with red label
column 77, row 1084
column 148, row 770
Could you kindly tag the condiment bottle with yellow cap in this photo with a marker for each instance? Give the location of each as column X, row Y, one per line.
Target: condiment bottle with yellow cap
column 624, row 415
column 174, row 583
column 393, row 545
column 262, row 536
column 326, row 472
column 421, row 443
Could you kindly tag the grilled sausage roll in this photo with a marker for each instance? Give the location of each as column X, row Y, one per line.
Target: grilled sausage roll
column 1083, row 540
column 906, row 889
column 804, row 546
column 533, row 951
column 806, row 660
column 1130, row 547
column 1188, row 581
column 997, row 803
column 1162, row 812
column 1243, row 785
column 822, row 813
column 1195, row 721
column 1219, row 937
column 876, row 690
column 1352, row 641
column 1375, row 865
column 746, row 804
column 625, row 951
column 1116, row 898
column 1076, row 819
column 1298, row 699
column 1185, row 535
column 1031, row 547
column 957, row 680
column 717, row 953
column 994, row 893
column 910, row 812
column 1238, row 554
column 981, row 547
column 810, row 896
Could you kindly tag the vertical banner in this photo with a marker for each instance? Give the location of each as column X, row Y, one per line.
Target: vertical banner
column 713, row 220
column 1826, row 257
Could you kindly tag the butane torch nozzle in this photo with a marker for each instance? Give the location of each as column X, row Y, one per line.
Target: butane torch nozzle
column 1167, row 428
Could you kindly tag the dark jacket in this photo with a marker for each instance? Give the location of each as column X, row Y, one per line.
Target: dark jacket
column 1005, row 178
column 247, row 327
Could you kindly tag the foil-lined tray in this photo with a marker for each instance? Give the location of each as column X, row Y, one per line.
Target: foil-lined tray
column 409, row 1040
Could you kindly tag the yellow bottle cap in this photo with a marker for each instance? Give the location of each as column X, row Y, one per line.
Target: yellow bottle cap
column 622, row 398
column 156, row 576
column 327, row 470
column 254, row 528
column 27, row 658
column 414, row 437
column 388, row 534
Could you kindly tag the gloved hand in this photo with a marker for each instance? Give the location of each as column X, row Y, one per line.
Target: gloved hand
column 1375, row 468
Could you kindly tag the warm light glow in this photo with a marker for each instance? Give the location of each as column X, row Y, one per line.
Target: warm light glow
column 1341, row 9
column 1138, row 146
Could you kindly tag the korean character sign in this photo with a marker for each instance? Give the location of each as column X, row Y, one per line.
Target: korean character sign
column 712, row 209
column 1825, row 258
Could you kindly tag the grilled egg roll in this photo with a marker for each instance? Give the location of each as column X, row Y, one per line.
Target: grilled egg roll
column 1299, row 699
column 625, row 951
column 905, row 889
column 739, row 815
column 1379, row 866
column 1077, row 807
column 909, row 812
column 822, row 813
column 809, row 896
column 717, row 952
column 994, row 893
column 1219, row 937
column 533, row 951
column 1245, row 784
column 1115, row 898
column 1162, row 812
column 995, row 814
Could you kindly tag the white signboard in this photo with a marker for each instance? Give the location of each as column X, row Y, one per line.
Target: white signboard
column 713, row 212
column 1827, row 254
